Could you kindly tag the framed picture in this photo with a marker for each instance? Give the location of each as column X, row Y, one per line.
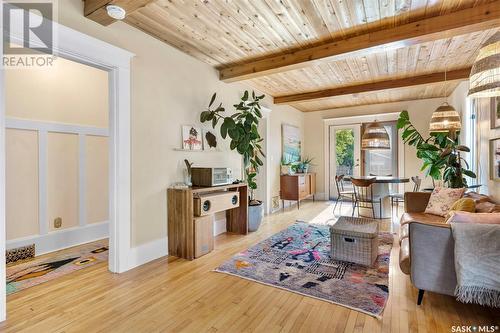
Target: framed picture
column 191, row 138
column 495, row 159
column 291, row 143
column 209, row 140
column 495, row 112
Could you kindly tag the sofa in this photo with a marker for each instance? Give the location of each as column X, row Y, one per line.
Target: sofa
column 427, row 246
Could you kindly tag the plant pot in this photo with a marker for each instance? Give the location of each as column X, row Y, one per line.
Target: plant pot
column 306, row 169
column 255, row 216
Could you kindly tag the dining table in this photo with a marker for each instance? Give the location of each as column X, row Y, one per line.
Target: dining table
column 381, row 188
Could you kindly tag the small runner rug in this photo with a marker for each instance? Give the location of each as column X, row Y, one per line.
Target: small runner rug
column 298, row 259
column 27, row 274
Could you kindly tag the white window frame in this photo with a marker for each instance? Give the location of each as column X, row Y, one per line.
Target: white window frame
column 76, row 46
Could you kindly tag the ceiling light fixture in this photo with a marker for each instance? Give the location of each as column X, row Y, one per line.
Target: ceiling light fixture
column 445, row 118
column 375, row 137
column 116, row 12
column 485, row 74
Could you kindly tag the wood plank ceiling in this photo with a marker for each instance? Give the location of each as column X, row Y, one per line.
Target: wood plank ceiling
column 229, row 34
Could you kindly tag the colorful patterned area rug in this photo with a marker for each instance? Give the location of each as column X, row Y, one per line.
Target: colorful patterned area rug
column 298, row 259
column 31, row 273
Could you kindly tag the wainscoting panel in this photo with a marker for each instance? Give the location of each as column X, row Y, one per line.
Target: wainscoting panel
column 56, row 170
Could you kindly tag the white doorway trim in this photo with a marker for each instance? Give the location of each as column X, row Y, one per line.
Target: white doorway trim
column 266, row 113
column 352, row 120
column 76, row 46
column 332, row 165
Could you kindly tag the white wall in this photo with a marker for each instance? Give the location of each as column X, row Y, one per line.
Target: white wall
column 420, row 112
column 458, row 99
column 169, row 88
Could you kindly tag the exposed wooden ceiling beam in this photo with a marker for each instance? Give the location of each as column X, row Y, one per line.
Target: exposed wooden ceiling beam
column 458, row 74
column 96, row 9
column 399, row 100
column 461, row 22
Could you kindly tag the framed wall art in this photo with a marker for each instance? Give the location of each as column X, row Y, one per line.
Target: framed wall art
column 191, row 138
column 495, row 159
column 495, row 112
column 291, row 143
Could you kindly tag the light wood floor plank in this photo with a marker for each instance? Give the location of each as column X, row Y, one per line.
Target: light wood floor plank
column 176, row 295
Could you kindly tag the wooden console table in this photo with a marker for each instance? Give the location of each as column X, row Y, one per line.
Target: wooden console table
column 297, row 187
column 181, row 219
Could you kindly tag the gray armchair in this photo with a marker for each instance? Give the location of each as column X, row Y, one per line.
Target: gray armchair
column 432, row 260
column 426, row 247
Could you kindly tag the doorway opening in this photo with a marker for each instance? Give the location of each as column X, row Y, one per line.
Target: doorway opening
column 57, row 171
column 84, row 49
column 344, row 155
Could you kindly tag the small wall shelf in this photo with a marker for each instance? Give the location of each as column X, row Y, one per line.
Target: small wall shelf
column 199, row 151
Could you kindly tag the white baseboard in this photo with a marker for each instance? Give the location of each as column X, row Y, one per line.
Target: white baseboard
column 321, row 196
column 145, row 253
column 220, row 226
column 62, row 239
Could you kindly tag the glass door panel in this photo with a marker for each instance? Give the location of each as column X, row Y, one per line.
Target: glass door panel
column 383, row 162
column 345, row 144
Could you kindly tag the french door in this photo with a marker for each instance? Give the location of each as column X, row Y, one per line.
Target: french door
column 345, row 153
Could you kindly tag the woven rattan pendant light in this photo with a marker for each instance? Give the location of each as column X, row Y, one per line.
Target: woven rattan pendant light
column 375, row 137
column 485, row 74
column 445, row 118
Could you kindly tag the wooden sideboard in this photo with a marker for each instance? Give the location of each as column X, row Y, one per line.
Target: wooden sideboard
column 297, row 187
column 182, row 226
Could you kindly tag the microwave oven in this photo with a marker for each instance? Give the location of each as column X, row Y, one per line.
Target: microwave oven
column 211, row 176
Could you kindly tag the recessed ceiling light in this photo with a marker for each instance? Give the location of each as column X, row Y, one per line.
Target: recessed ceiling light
column 116, row 12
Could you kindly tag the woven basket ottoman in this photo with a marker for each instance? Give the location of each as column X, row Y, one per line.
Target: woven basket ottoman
column 355, row 239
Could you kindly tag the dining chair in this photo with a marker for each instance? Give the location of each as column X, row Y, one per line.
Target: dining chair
column 363, row 195
column 342, row 193
column 397, row 198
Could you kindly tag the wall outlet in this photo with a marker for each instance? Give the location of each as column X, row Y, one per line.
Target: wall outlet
column 57, row 222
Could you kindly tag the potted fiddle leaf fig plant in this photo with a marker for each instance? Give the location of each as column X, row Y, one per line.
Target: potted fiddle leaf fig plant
column 440, row 153
column 242, row 128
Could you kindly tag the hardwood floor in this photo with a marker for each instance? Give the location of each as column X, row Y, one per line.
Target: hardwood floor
column 176, row 295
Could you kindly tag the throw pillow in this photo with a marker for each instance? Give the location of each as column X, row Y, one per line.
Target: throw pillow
column 478, row 198
column 485, row 207
column 466, row 217
column 463, row 205
column 442, row 199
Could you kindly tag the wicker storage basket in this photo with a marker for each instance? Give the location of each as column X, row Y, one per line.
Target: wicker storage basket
column 355, row 239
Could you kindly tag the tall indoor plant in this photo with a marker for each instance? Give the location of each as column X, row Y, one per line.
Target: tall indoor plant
column 440, row 153
column 242, row 129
